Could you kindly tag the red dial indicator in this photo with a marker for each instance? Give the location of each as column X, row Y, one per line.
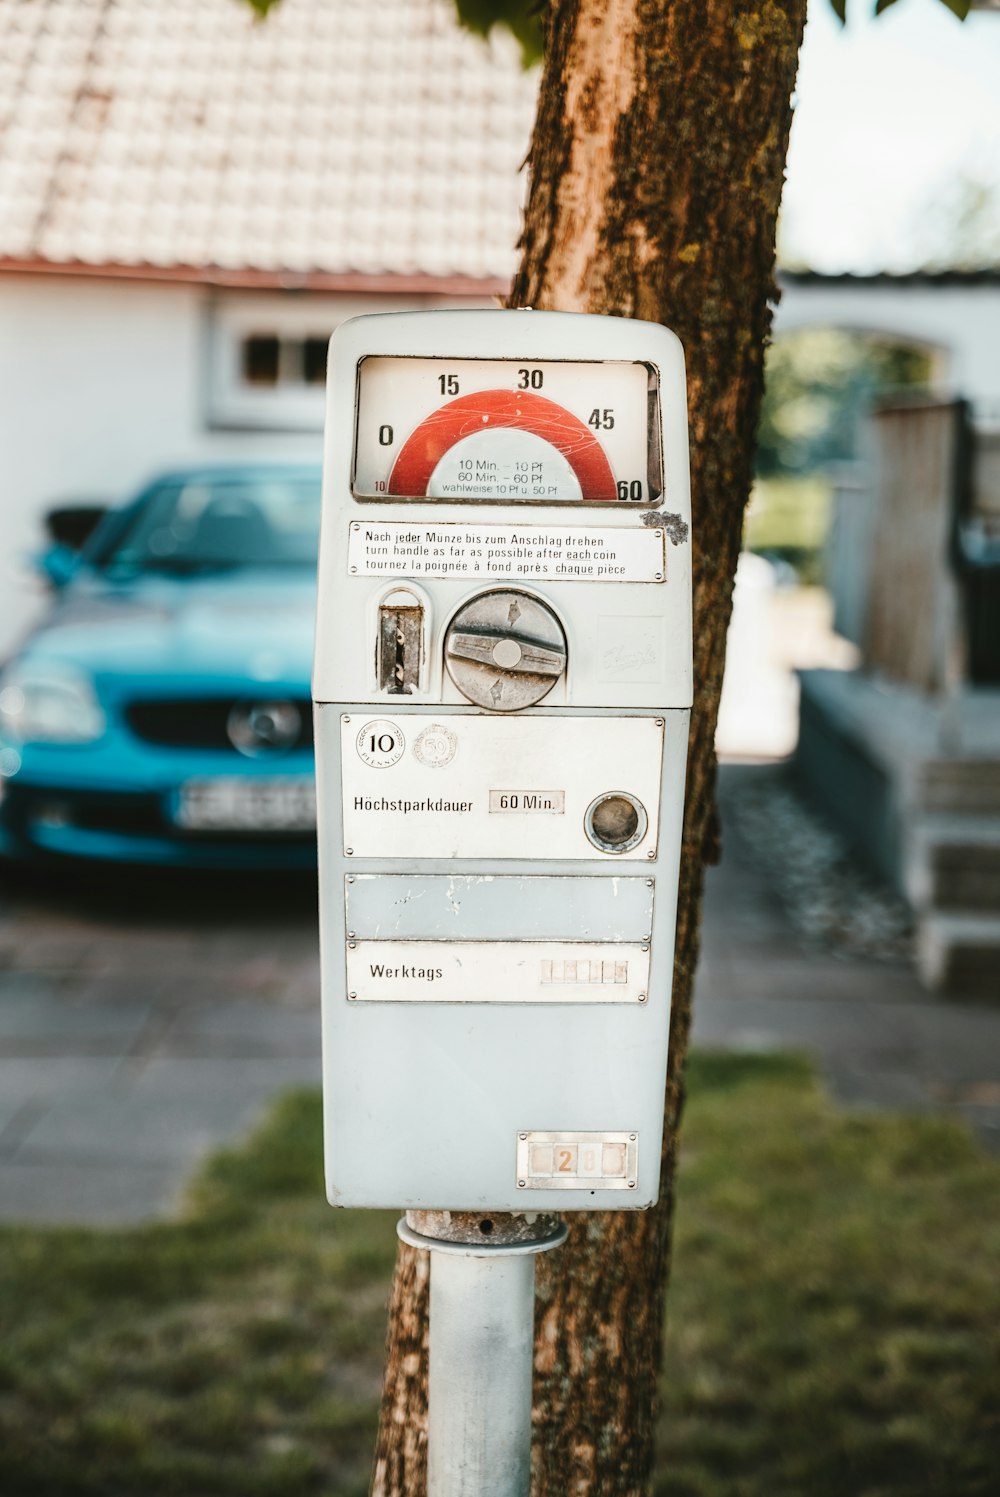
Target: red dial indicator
column 491, row 410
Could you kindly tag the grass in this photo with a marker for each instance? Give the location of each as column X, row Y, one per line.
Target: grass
column 834, row 1320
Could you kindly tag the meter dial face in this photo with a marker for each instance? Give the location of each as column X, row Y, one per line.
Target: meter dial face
column 499, row 431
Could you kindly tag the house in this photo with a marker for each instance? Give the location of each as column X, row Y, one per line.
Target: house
column 191, row 200
column 904, row 752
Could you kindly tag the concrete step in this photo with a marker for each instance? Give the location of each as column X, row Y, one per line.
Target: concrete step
column 953, row 863
column 957, row 787
column 958, row 953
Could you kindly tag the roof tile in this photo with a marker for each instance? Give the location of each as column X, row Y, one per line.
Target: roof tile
column 338, row 136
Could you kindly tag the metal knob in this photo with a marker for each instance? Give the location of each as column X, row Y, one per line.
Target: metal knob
column 505, row 650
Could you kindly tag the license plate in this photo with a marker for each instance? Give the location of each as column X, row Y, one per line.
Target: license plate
column 247, row 805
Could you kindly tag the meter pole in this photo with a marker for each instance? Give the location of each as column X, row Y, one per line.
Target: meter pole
column 481, row 1344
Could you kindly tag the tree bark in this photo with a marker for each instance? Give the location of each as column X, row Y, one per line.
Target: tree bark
column 657, row 165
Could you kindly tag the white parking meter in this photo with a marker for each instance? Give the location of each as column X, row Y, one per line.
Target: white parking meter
column 502, row 687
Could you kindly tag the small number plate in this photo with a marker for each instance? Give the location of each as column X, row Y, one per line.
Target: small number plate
column 577, row 1161
column 246, row 804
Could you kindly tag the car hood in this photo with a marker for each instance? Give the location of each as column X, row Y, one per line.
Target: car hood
column 252, row 624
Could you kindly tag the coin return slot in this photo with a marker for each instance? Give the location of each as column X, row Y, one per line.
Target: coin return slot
column 400, row 643
column 616, row 822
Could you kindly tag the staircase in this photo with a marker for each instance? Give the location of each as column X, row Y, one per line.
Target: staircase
column 952, row 877
column 926, row 816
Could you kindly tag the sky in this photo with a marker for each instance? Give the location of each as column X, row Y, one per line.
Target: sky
column 890, row 115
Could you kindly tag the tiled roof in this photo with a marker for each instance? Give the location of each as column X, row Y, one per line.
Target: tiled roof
column 337, row 137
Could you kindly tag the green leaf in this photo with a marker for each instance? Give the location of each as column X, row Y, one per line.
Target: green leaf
column 959, row 8
column 522, row 17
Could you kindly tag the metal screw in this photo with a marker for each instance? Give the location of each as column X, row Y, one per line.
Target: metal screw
column 649, row 883
column 345, row 719
column 522, row 1135
column 354, row 569
column 651, row 853
column 350, row 878
column 648, row 938
column 631, row 1185
column 351, row 945
column 645, row 948
column 642, row 997
column 520, row 1184
column 351, row 934
column 632, row 1137
column 355, row 527
column 348, row 852
column 352, row 995
column 659, row 722
column 658, row 576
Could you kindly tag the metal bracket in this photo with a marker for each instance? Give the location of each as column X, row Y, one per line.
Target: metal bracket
column 482, row 1234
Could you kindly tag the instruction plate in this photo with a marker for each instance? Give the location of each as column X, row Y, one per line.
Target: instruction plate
column 403, row 807
column 539, row 553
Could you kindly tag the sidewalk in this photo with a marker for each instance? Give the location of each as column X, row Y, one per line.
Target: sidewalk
column 881, row 1040
column 136, row 1035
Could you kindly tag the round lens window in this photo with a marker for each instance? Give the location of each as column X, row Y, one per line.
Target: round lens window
column 616, row 822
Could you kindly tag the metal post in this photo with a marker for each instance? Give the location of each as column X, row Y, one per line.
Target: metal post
column 481, row 1340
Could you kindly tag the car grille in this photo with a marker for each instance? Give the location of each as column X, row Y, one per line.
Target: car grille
column 200, row 722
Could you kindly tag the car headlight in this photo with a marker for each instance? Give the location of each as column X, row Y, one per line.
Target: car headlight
column 48, row 702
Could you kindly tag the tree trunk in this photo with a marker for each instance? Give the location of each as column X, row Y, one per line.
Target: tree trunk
column 656, row 171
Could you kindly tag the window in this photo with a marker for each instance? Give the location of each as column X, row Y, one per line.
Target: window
column 268, row 360
column 261, row 355
column 265, row 353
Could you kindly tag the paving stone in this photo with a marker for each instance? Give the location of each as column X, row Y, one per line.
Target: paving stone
column 843, row 1031
column 11, row 1107
column 141, row 1129
column 57, row 1192
column 110, row 991
column 64, row 1023
column 194, row 1076
column 242, row 1029
column 50, row 1078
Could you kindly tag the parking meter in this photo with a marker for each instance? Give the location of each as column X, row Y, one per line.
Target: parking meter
column 502, row 691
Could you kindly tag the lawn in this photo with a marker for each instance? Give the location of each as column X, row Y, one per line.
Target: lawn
column 834, row 1318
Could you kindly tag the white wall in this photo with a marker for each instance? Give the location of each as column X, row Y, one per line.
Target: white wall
column 961, row 321
column 104, row 383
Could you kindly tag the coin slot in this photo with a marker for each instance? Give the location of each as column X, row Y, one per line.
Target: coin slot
column 616, row 822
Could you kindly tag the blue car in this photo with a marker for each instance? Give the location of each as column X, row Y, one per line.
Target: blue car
column 161, row 714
